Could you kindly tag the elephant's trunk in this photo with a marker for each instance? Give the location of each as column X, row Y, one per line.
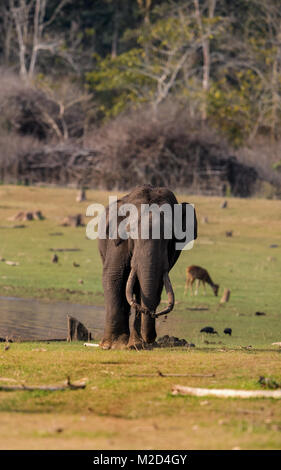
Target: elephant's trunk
column 141, row 309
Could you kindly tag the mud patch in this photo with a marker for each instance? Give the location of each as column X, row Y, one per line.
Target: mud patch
column 167, row 341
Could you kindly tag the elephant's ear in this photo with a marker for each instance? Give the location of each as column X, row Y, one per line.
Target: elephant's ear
column 185, row 225
column 117, row 238
column 120, row 234
column 128, row 227
column 111, row 226
column 120, row 239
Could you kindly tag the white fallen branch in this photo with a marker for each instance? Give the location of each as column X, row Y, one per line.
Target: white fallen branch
column 7, row 379
column 93, row 345
column 225, row 393
column 276, row 344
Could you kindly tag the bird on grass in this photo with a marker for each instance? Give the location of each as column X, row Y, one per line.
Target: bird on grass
column 227, row 331
column 55, row 258
column 209, row 329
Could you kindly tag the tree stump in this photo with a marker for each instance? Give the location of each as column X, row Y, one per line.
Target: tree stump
column 81, row 196
column 225, row 296
column 27, row 215
column 38, row 215
column 73, row 221
column 76, row 330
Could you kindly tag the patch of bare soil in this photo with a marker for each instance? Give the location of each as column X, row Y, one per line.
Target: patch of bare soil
column 167, row 341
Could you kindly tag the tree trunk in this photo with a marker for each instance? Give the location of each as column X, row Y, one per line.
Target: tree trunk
column 76, row 330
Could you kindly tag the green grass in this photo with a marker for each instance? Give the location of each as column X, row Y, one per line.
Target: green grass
column 114, row 405
column 116, row 411
column 245, row 263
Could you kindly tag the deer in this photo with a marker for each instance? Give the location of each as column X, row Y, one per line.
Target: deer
column 199, row 274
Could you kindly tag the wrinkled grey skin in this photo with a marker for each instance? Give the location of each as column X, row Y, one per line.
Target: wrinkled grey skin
column 150, row 259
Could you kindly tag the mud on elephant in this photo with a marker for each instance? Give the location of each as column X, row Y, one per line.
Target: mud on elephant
column 136, row 269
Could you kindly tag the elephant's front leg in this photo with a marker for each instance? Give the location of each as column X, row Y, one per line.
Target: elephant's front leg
column 116, row 332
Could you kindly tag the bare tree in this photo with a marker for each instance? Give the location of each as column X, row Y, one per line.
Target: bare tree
column 6, row 25
column 259, row 51
column 172, row 46
column 168, row 46
column 205, row 30
column 145, row 7
column 29, row 18
column 69, row 101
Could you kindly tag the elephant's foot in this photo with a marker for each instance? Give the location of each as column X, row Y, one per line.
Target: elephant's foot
column 138, row 343
column 140, row 346
column 106, row 344
column 119, row 342
column 149, row 338
column 135, row 341
column 148, row 331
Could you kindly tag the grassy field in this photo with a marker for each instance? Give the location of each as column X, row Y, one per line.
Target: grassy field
column 117, row 411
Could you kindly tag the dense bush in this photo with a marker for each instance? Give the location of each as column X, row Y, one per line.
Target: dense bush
column 44, row 138
column 43, row 109
column 137, row 149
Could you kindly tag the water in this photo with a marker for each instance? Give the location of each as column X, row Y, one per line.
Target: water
column 29, row 319
column 33, row 320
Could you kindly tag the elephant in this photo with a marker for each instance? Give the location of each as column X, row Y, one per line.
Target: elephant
column 136, row 269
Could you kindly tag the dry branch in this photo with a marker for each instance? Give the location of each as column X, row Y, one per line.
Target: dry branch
column 160, row 374
column 50, row 388
column 225, row 393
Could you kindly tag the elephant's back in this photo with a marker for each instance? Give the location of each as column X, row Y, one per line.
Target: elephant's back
column 148, row 194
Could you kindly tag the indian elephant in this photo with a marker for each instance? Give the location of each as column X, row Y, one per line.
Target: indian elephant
column 135, row 270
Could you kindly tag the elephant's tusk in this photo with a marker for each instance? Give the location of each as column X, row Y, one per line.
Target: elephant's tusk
column 130, row 287
column 171, row 297
column 146, row 311
column 129, row 294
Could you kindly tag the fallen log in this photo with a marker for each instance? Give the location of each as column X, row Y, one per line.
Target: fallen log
column 65, row 249
column 50, row 388
column 224, row 393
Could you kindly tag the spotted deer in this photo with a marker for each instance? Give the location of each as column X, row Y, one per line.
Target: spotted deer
column 200, row 275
